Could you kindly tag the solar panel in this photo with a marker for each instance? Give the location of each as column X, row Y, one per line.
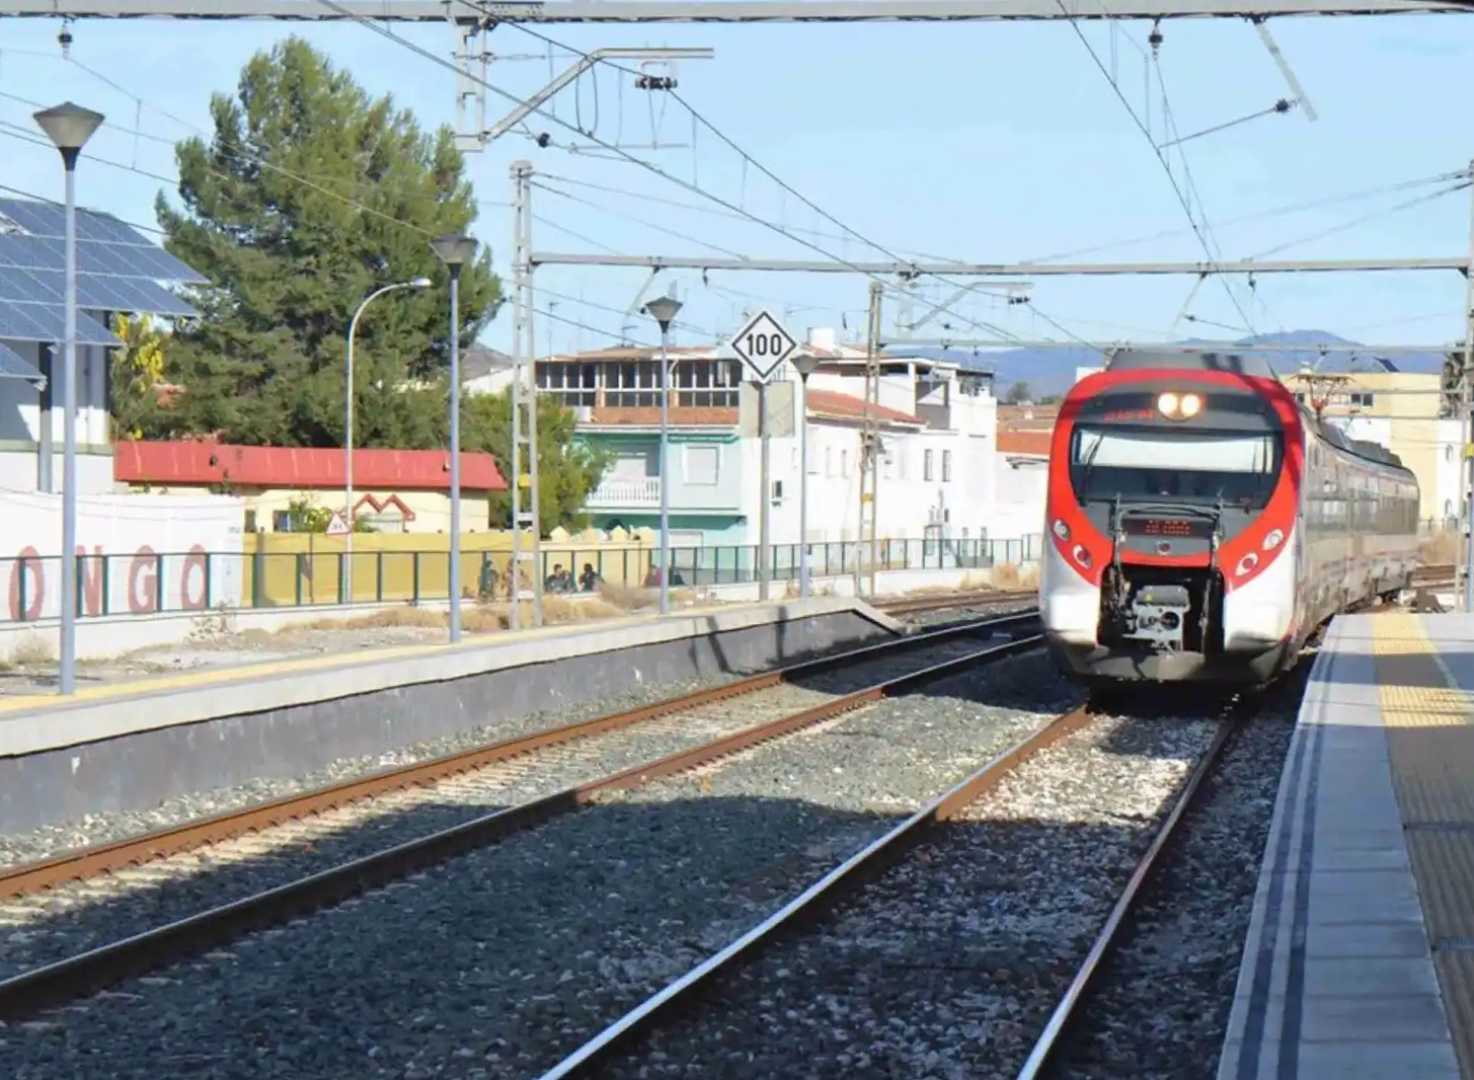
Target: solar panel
column 14, row 366
column 104, row 244
column 47, row 322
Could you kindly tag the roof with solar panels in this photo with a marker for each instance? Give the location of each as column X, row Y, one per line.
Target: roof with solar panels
column 117, row 270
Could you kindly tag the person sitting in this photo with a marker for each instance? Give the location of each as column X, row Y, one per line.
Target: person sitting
column 554, row 581
column 589, row 580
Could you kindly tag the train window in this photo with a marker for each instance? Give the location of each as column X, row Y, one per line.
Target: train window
column 1237, row 467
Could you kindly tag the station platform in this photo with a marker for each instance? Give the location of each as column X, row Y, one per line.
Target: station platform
column 1359, row 961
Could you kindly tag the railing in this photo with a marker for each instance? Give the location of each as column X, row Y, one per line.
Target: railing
column 149, row 583
column 622, row 493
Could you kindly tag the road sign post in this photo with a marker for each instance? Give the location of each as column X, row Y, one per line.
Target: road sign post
column 763, row 345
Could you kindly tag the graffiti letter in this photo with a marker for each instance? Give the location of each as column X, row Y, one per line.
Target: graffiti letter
column 144, row 568
column 195, row 560
column 92, row 571
column 28, row 563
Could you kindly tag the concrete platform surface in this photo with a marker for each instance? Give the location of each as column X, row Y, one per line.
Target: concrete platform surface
column 1360, row 955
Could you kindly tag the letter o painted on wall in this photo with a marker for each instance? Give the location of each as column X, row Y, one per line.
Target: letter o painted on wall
column 195, row 560
column 144, row 569
column 27, row 563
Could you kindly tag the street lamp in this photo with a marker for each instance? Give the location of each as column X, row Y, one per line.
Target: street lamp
column 663, row 309
column 69, row 127
column 455, row 251
column 417, row 283
column 807, row 364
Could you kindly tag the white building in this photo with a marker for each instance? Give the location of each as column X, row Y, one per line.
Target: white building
column 936, row 426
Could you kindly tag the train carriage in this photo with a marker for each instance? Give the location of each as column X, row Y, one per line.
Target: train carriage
column 1201, row 524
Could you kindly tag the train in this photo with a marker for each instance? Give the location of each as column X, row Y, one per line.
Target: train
column 1201, row 523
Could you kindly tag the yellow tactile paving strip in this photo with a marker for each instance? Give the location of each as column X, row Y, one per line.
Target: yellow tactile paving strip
column 1430, row 733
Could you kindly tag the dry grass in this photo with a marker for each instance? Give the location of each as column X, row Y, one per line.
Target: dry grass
column 32, row 649
column 1006, row 576
column 1441, row 547
column 628, row 597
column 376, row 620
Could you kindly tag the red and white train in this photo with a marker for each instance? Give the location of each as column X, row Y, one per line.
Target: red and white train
column 1201, row 524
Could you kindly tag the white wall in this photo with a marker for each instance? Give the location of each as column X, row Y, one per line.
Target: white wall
column 136, row 529
column 1021, row 487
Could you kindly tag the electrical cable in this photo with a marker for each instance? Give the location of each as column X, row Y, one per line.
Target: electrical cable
column 640, row 221
column 1363, row 219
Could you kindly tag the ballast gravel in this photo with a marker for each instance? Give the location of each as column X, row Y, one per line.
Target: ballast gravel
column 496, row 964
column 948, row 965
column 74, row 917
column 1160, row 1011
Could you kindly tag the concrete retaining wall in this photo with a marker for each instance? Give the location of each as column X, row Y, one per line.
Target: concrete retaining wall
column 122, row 752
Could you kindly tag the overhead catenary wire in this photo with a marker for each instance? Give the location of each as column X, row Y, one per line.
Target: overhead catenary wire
column 1362, row 219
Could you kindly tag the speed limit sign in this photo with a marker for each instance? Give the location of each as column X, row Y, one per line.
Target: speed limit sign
column 763, row 344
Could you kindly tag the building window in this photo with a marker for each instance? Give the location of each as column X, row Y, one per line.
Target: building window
column 250, row 521
column 1363, row 399
column 926, row 465
column 946, row 466
column 703, row 464
column 829, row 461
column 844, row 463
column 281, row 521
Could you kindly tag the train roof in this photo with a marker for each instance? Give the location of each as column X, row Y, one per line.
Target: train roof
column 1192, row 359
column 1360, row 447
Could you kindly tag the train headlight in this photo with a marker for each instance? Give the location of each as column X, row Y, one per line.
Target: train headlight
column 1061, row 530
column 1169, row 405
column 1190, row 406
column 1275, row 538
column 1247, row 563
column 1082, row 556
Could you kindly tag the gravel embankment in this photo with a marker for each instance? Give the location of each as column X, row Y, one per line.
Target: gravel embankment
column 1160, row 1011
column 79, row 916
column 497, row 963
column 949, row 964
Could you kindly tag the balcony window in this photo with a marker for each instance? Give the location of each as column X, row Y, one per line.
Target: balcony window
column 926, row 468
column 946, row 466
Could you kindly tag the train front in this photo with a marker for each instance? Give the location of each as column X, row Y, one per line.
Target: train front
column 1174, row 486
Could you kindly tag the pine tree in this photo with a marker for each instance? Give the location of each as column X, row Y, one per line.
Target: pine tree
column 309, row 196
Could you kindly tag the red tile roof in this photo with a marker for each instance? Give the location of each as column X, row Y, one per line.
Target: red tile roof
column 1028, row 443
column 297, row 467
column 832, row 403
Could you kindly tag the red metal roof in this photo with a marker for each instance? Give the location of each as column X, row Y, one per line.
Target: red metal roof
column 1026, row 443
column 834, row 404
column 297, row 467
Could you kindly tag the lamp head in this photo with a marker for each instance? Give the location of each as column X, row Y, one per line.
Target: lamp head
column 69, row 126
column 420, row 283
column 807, row 364
column 663, row 309
column 454, row 249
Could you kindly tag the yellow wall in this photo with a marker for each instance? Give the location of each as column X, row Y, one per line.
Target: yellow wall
column 305, row 567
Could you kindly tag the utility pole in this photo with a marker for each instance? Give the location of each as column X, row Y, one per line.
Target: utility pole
column 524, row 409
column 1467, row 517
column 870, row 443
column 765, row 473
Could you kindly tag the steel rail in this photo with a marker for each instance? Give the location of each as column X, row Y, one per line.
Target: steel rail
column 908, row 606
column 101, row 858
column 1067, row 1009
column 56, row 983
column 832, row 886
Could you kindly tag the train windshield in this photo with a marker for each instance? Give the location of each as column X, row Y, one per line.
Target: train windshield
column 1236, row 467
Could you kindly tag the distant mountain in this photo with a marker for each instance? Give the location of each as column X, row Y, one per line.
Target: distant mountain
column 1052, row 371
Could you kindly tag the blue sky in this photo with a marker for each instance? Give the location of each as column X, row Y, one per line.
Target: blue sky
column 982, row 141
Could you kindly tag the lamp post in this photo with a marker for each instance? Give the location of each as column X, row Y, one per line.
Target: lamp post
column 416, row 283
column 806, row 364
column 455, row 251
column 663, row 309
column 69, row 127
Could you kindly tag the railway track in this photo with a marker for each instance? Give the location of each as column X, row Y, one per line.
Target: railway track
column 842, row 889
column 63, row 979
column 960, row 601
